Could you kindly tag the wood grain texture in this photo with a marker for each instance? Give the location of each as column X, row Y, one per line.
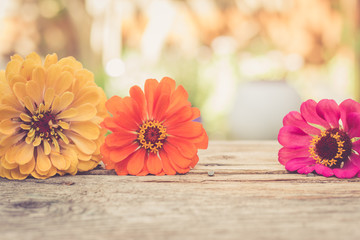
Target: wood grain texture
column 250, row 196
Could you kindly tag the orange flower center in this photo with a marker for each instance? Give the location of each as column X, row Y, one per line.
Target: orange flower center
column 42, row 126
column 151, row 135
column 331, row 148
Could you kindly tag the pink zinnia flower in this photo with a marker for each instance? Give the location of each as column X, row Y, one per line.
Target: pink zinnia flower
column 323, row 137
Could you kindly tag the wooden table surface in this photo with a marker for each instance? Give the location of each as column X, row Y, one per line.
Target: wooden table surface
column 250, row 196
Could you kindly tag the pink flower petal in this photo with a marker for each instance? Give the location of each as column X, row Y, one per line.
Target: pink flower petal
column 353, row 123
column 347, row 107
column 348, row 171
column 355, row 159
column 297, row 163
column 308, row 111
column 322, row 170
column 306, row 169
column 293, row 137
column 329, row 110
column 295, row 119
column 356, row 146
column 286, row 154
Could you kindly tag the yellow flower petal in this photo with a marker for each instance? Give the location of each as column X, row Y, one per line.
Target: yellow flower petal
column 11, row 139
column 62, row 102
column 27, row 67
column 70, row 61
column 85, row 113
column 12, row 101
column 35, row 91
column 49, row 97
column 87, row 129
column 84, row 166
column 43, row 163
column 34, row 57
column 8, row 112
column 8, row 165
column 13, row 68
column 59, row 161
column 27, row 168
column 52, row 75
column 16, row 78
column 29, row 104
column 16, row 57
column 88, row 95
column 25, row 117
column 47, row 147
column 50, row 60
column 37, row 141
column 38, row 75
column 24, row 153
column 85, row 145
column 70, row 113
column 8, row 127
column 16, row 174
column 19, row 89
column 64, row 82
column 71, row 156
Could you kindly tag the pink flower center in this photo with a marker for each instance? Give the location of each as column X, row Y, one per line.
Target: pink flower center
column 151, row 136
column 331, row 148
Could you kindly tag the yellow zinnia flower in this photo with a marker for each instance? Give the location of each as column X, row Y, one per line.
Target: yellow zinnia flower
column 49, row 117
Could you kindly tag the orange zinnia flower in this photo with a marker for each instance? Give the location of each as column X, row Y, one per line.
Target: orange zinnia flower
column 50, row 117
column 153, row 132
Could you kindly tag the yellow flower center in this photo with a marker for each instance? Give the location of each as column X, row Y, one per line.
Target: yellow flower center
column 42, row 126
column 151, row 136
column 331, row 148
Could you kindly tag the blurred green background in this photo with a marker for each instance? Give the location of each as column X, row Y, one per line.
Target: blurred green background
column 245, row 63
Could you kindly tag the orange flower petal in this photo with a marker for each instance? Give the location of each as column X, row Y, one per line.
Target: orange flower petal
column 203, row 141
column 168, row 169
column 154, row 164
column 162, row 105
column 150, row 87
column 125, row 121
column 179, row 99
column 194, row 161
column 113, row 104
column 185, row 147
column 182, row 115
column 119, row 154
column 120, row 138
column 111, row 124
column 175, row 157
column 186, row 130
column 138, row 95
column 136, row 162
column 120, row 167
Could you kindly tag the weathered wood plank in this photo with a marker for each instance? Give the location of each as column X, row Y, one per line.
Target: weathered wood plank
column 250, row 196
